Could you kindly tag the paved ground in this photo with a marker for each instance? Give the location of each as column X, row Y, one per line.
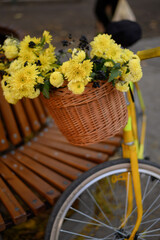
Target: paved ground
column 77, row 17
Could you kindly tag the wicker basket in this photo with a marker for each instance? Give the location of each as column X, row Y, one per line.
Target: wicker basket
column 88, row 118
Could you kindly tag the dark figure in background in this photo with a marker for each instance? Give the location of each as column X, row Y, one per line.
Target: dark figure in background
column 124, row 32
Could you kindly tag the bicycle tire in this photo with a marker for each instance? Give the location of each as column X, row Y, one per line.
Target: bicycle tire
column 102, row 226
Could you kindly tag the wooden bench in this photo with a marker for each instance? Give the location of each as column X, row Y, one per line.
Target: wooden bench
column 36, row 162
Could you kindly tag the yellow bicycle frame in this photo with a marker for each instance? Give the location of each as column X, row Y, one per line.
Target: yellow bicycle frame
column 133, row 148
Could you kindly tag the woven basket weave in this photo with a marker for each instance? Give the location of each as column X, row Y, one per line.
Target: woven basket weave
column 88, row 118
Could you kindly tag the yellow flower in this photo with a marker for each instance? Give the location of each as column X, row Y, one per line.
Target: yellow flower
column 126, row 55
column 78, row 55
column 74, row 71
column 108, row 64
column 11, row 41
column 69, row 50
column 40, row 80
column 105, row 47
column 122, row 86
column 14, row 66
column 2, row 66
column 135, row 70
column 29, row 44
column 31, row 71
column 47, row 37
column 87, row 65
column 46, row 62
column 9, row 97
column 56, row 79
column 65, row 66
column 34, row 94
column 23, row 81
column 10, row 51
column 27, row 56
column 76, row 87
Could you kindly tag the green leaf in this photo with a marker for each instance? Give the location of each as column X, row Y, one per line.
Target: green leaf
column 115, row 72
column 46, row 88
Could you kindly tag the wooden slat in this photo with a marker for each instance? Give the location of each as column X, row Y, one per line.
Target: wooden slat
column 46, row 190
column 22, row 119
column 20, row 188
column 71, row 160
column 3, row 140
column 32, row 116
column 2, row 224
column 9, row 119
column 39, row 109
column 78, row 151
column 99, row 147
column 116, row 141
column 14, row 208
column 105, row 148
column 51, row 176
column 56, row 165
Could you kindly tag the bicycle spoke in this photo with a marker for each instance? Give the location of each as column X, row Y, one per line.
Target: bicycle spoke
column 80, row 221
column 87, row 207
column 149, row 221
column 155, row 230
column 94, row 200
column 151, row 189
column 101, row 223
column 146, row 215
column 146, row 187
column 78, row 234
column 154, row 235
column 114, row 195
column 151, row 226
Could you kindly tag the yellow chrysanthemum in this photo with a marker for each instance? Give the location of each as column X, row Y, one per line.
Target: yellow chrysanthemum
column 122, row 86
column 9, row 97
column 14, row 66
column 10, row 51
column 76, row 87
column 2, row 66
column 47, row 37
column 135, row 70
column 108, row 64
column 31, row 71
column 87, row 65
column 27, row 56
column 40, row 80
column 34, row 94
column 11, row 41
column 87, row 80
column 46, row 63
column 24, row 80
column 69, row 50
column 56, row 79
column 126, row 55
column 29, row 44
column 78, row 55
column 75, row 71
column 65, row 66
column 50, row 54
column 105, row 47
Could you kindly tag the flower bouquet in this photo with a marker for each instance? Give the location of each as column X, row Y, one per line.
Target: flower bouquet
column 81, row 86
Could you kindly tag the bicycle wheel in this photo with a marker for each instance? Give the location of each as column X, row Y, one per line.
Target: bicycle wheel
column 94, row 206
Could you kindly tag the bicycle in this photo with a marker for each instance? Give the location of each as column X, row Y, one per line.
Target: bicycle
column 118, row 199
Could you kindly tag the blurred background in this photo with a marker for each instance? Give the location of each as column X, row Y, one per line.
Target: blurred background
column 61, row 17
